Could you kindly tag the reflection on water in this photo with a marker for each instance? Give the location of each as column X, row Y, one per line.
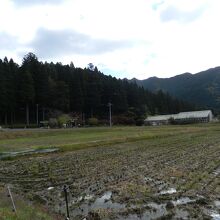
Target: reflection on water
column 168, row 191
column 27, row 152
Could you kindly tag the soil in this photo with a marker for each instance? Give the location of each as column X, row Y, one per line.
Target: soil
column 169, row 178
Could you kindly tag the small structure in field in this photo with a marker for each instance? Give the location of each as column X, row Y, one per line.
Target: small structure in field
column 44, row 124
column 181, row 118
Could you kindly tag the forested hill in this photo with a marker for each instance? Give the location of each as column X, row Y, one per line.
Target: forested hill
column 49, row 89
column 202, row 88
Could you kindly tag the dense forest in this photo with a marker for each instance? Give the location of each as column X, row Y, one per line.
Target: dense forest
column 36, row 91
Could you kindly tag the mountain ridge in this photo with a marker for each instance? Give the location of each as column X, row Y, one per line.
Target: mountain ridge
column 202, row 88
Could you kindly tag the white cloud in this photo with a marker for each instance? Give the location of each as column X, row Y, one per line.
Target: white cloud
column 25, row 3
column 135, row 38
column 53, row 43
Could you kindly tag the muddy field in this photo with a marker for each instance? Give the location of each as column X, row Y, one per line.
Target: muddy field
column 163, row 177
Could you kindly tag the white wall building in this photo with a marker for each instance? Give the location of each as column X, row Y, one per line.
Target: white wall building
column 181, row 118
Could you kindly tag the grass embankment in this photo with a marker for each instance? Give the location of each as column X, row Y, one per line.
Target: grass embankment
column 74, row 139
column 25, row 211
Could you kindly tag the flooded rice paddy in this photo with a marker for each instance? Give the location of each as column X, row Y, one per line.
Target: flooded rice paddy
column 8, row 155
column 173, row 177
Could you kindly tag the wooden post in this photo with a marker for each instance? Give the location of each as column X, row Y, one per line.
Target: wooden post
column 12, row 200
column 66, row 200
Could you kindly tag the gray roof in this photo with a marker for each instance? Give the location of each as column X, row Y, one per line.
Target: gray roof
column 181, row 115
column 159, row 118
column 194, row 114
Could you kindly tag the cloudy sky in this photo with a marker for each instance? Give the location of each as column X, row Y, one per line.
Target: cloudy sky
column 123, row 38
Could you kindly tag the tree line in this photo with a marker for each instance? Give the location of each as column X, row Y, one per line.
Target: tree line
column 35, row 91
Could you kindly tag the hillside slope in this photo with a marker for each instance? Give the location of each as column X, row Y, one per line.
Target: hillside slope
column 202, row 88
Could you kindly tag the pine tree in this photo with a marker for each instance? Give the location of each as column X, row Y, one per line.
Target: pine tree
column 26, row 91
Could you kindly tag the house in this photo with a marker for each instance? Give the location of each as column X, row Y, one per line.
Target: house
column 181, row 118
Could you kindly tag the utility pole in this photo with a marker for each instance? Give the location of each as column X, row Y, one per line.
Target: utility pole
column 37, row 114
column 110, row 113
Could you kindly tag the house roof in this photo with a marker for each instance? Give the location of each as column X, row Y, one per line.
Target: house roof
column 181, row 115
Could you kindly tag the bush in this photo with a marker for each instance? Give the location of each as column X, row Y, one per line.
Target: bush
column 123, row 120
column 104, row 122
column 172, row 121
column 63, row 120
column 140, row 122
column 53, row 123
column 93, row 121
column 21, row 126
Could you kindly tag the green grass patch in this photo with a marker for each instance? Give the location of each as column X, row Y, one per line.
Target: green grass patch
column 80, row 138
column 25, row 211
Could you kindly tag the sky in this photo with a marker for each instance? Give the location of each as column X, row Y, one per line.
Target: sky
column 123, row 38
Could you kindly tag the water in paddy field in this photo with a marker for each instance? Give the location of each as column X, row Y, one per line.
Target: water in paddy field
column 183, row 201
column 217, row 171
column 27, row 152
column 217, row 203
column 83, row 205
column 155, row 211
column 103, row 202
column 168, row 191
column 214, row 213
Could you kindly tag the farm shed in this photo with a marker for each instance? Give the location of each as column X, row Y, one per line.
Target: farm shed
column 158, row 120
column 181, row 118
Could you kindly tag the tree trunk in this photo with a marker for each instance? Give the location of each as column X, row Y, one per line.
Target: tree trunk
column 37, row 119
column 43, row 110
column 83, row 119
column 12, row 118
column 6, row 119
column 91, row 112
column 27, row 115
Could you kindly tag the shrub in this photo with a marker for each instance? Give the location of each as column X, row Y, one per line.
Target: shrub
column 93, row 121
column 63, row 120
column 104, row 122
column 139, row 121
column 172, row 121
column 123, row 120
column 21, row 126
column 53, row 123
